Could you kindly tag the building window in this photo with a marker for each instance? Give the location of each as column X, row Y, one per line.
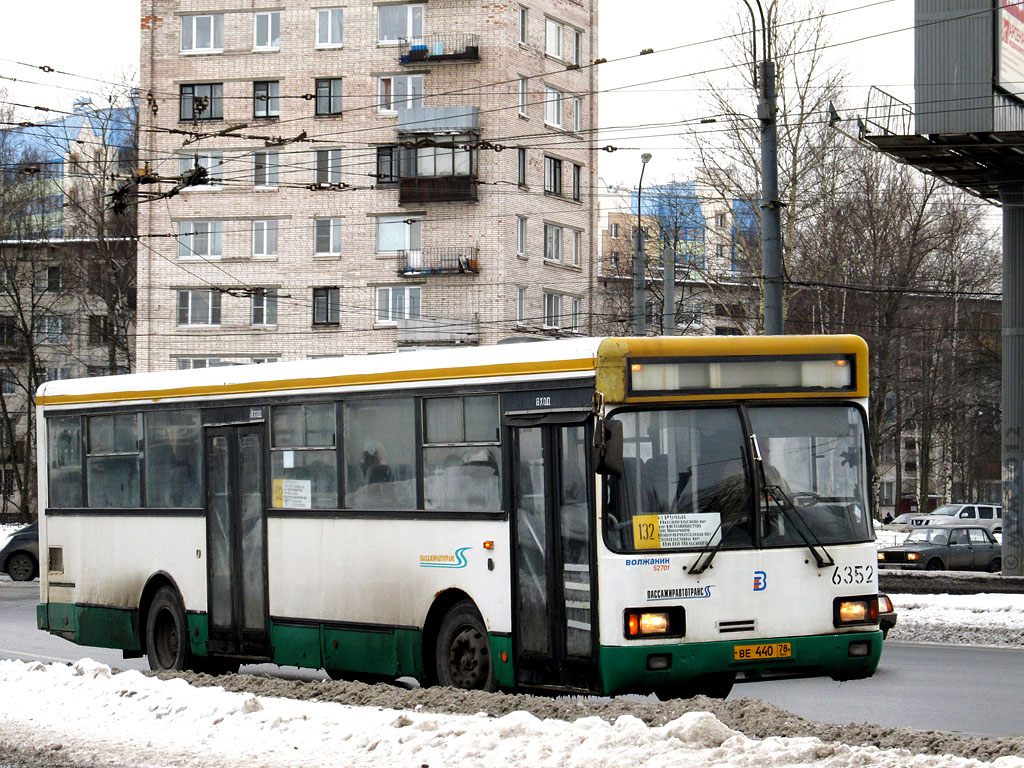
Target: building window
column 396, row 23
column 202, row 34
column 552, row 175
column 264, row 169
column 720, row 220
column 199, row 239
column 99, row 330
column 552, row 38
column 613, row 260
column 328, row 166
column 52, row 329
column 445, row 155
column 329, row 27
column 264, row 306
column 524, row 16
column 327, row 236
column 8, row 382
column 202, row 101
column 387, row 164
column 396, row 303
column 576, row 55
column 399, row 92
column 887, row 495
column 195, row 363
column 552, row 310
column 552, row 242
column 524, row 84
column 266, row 98
column 614, row 230
column 577, row 182
column 577, row 247
column 553, row 107
column 199, row 307
column 213, row 162
column 267, row 31
column 325, row 306
column 575, row 315
column 521, row 155
column 9, row 332
column 398, row 233
column 48, row 279
column 521, row 305
column 264, row 237
column 256, row 360
column 521, row 235
column 53, row 373
column 577, row 114
column 328, row 96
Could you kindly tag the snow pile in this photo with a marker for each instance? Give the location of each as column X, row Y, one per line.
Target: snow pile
column 985, row 619
column 88, row 714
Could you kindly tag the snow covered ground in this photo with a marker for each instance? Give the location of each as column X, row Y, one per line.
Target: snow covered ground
column 137, row 720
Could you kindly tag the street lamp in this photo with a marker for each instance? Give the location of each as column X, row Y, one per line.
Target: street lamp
column 639, row 299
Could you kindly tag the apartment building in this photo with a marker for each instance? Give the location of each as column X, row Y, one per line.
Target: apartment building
column 713, row 242
column 379, row 176
column 67, row 287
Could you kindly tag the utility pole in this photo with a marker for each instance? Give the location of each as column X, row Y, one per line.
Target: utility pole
column 771, row 230
column 640, row 260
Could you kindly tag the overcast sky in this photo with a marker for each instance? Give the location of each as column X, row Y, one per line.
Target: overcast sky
column 100, row 39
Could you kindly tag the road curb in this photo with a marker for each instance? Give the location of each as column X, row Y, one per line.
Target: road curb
column 947, row 582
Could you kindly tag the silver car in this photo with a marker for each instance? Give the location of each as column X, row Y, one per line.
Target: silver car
column 939, row 548
column 989, row 516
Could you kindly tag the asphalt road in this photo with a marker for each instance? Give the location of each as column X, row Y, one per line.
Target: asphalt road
column 929, row 687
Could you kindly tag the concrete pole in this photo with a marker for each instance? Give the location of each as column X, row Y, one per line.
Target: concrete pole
column 640, row 260
column 771, row 230
column 669, row 259
column 1012, row 196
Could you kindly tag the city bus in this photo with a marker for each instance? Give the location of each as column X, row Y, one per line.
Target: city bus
column 599, row 515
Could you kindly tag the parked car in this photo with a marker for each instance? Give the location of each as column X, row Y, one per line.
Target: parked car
column 945, row 547
column 886, row 614
column 988, row 515
column 906, row 521
column 20, row 558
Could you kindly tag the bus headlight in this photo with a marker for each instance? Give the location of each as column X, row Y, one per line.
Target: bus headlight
column 669, row 622
column 855, row 610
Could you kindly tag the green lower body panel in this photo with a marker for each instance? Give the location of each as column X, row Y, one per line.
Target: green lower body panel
column 97, row 626
column 501, row 653
column 626, row 668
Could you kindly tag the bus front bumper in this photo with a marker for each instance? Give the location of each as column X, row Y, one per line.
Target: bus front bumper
column 643, row 668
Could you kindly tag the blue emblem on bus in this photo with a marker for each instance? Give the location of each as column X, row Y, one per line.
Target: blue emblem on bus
column 760, row 581
column 458, row 560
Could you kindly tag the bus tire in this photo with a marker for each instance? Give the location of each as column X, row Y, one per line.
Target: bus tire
column 167, row 643
column 463, row 652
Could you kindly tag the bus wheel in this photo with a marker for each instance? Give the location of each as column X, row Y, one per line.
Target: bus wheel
column 463, row 655
column 167, row 632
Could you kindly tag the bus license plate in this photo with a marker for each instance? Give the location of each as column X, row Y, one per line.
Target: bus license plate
column 762, row 651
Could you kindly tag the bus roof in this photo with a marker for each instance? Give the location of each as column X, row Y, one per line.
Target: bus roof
column 552, row 360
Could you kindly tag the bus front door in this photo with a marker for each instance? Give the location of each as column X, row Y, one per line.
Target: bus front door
column 236, row 538
column 555, row 589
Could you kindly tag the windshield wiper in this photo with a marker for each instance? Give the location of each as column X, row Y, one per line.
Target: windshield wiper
column 822, row 557
column 698, row 567
column 789, row 510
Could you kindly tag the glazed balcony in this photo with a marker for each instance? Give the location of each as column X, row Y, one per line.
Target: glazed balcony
column 436, row 49
column 436, row 189
column 438, row 261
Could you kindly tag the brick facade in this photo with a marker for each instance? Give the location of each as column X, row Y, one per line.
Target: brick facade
column 469, row 271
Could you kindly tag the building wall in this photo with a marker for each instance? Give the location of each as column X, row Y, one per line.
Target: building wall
column 485, row 300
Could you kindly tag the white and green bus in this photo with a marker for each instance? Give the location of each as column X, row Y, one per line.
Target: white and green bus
column 599, row 515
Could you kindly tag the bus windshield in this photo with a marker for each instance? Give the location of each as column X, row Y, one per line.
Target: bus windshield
column 691, row 476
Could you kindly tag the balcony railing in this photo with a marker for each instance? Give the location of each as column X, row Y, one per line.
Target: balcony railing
column 436, row 189
column 439, row 330
column 439, row 48
column 438, row 261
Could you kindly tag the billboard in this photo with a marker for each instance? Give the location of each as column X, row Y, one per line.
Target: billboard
column 1010, row 47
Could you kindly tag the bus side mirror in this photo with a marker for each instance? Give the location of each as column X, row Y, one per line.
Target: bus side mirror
column 607, row 450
